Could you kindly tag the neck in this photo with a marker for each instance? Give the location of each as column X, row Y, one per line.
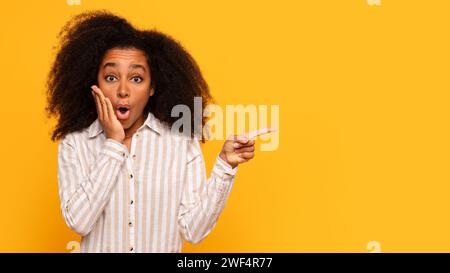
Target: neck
column 136, row 125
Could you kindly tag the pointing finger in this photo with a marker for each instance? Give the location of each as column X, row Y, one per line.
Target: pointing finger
column 264, row 131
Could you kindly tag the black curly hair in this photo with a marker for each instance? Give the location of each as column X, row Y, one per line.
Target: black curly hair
column 84, row 40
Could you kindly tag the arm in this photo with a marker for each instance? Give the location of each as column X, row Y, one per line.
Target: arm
column 84, row 196
column 203, row 199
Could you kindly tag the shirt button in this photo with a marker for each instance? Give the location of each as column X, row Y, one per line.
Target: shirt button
column 123, row 154
column 130, row 224
column 131, row 248
column 131, row 203
column 131, row 176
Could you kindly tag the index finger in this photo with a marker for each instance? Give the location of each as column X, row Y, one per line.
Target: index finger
column 264, row 131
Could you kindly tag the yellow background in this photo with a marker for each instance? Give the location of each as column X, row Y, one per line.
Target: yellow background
column 364, row 134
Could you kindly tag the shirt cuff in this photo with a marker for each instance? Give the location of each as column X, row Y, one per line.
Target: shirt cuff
column 115, row 149
column 222, row 167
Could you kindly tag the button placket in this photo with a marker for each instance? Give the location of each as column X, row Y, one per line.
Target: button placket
column 131, row 208
column 131, row 204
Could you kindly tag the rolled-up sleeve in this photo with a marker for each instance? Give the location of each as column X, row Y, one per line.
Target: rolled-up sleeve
column 83, row 196
column 203, row 198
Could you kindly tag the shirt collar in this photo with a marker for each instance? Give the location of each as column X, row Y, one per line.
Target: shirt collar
column 151, row 121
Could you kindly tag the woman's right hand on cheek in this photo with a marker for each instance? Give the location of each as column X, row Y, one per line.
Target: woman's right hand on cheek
column 105, row 111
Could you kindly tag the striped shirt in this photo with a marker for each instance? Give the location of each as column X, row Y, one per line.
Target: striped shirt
column 148, row 199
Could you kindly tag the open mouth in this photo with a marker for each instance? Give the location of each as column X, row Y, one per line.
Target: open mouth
column 123, row 112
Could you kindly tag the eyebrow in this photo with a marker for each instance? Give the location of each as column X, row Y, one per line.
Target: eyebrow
column 136, row 66
column 132, row 66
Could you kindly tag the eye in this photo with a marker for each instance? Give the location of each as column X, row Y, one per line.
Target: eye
column 137, row 79
column 110, row 78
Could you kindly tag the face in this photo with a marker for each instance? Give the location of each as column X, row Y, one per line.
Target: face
column 124, row 78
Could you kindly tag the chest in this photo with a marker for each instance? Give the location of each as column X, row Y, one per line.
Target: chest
column 150, row 156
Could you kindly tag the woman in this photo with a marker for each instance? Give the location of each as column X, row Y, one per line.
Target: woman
column 127, row 182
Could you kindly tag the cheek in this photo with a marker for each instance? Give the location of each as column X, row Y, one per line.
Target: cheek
column 111, row 98
column 142, row 95
column 107, row 90
column 142, row 101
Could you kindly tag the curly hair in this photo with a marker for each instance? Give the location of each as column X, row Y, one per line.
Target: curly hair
column 84, row 40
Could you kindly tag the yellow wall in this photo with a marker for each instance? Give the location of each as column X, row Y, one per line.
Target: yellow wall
column 364, row 135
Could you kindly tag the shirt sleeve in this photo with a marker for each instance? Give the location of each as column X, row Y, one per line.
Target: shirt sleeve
column 203, row 199
column 83, row 196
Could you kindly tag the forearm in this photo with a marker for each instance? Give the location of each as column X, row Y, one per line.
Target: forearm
column 199, row 217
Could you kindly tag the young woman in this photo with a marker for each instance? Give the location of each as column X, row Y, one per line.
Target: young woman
column 127, row 182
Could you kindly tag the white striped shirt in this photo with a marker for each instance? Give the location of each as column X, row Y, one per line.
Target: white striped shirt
column 148, row 199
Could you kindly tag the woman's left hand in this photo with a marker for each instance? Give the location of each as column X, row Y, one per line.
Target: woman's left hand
column 240, row 149
column 237, row 150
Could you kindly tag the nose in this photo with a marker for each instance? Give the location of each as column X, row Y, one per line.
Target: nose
column 123, row 91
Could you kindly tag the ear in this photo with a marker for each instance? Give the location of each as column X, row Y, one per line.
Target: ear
column 152, row 91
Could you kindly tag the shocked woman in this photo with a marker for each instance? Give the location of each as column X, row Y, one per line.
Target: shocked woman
column 127, row 182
